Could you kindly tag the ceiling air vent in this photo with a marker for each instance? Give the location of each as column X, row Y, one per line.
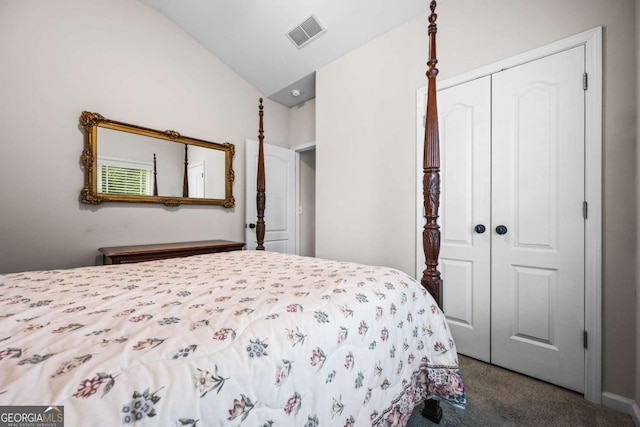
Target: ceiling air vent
column 305, row 32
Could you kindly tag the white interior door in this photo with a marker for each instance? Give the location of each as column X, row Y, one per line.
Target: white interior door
column 538, row 195
column 279, row 216
column 195, row 174
column 465, row 256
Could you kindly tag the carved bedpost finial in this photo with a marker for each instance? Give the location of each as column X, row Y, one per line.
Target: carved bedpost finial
column 431, row 166
column 432, row 72
column 260, row 196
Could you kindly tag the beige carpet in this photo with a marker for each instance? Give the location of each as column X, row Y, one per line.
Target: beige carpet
column 498, row 397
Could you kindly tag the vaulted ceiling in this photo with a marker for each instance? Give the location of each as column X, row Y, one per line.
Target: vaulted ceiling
column 250, row 36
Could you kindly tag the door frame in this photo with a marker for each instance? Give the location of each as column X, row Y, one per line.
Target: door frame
column 297, row 150
column 592, row 41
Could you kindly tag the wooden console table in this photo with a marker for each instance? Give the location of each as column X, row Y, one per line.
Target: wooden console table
column 139, row 253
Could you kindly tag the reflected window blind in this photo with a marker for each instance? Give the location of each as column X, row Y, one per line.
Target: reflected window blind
column 124, row 177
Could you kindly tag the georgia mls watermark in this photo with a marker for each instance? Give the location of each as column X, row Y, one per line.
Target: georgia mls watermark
column 31, row 416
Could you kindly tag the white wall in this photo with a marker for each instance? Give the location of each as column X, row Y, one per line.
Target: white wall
column 302, row 123
column 127, row 62
column 365, row 109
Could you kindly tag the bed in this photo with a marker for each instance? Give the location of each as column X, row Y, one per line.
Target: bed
column 235, row 338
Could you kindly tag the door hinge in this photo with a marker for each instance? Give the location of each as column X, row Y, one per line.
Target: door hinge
column 585, row 209
column 585, row 81
column 585, row 339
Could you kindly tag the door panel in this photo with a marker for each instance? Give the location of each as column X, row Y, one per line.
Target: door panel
column 459, row 309
column 465, row 134
column 535, row 161
column 537, row 193
column 279, row 216
column 535, row 291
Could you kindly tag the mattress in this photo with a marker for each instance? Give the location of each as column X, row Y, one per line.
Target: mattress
column 249, row 338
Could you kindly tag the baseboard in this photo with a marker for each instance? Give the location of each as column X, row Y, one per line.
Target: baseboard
column 622, row 404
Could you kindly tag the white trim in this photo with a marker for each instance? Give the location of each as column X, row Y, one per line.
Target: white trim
column 593, row 224
column 622, row 404
column 296, row 201
column 297, row 150
column 304, row 147
column 592, row 40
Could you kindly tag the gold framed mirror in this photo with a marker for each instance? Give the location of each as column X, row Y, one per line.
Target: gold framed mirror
column 130, row 163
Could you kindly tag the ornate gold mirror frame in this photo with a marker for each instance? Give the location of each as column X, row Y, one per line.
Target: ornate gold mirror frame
column 90, row 194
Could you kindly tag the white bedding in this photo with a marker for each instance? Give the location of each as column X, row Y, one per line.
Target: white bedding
column 236, row 338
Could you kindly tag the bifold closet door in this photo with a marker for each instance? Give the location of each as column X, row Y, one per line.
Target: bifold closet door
column 512, row 246
column 465, row 135
column 537, row 224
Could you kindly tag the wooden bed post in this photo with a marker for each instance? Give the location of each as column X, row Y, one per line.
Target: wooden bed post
column 155, row 176
column 431, row 194
column 185, row 180
column 431, row 166
column 260, row 196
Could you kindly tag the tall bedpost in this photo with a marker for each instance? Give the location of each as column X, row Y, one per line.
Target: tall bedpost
column 431, row 194
column 155, row 176
column 260, row 196
column 185, row 178
column 431, row 166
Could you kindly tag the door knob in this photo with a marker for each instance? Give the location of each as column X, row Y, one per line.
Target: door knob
column 252, row 226
column 480, row 228
column 501, row 229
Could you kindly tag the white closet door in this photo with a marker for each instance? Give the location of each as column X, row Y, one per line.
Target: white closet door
column 465, row 134
column 538, row 194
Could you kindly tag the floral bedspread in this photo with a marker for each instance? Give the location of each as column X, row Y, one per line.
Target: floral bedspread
column 237, row 338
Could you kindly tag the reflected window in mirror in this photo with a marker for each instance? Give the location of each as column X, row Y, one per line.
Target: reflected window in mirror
column 124, row 176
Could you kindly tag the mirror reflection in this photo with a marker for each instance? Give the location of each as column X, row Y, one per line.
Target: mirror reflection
column 130, row 163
